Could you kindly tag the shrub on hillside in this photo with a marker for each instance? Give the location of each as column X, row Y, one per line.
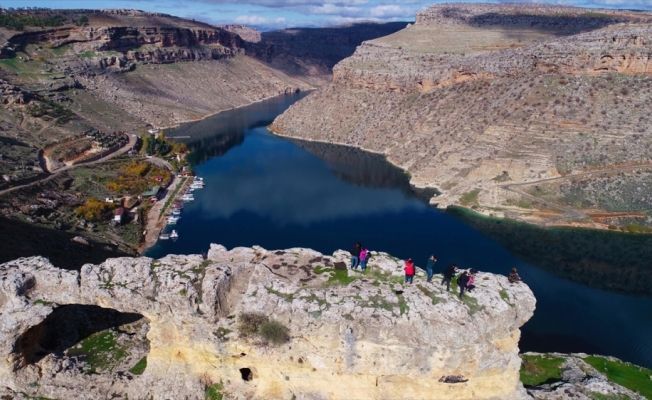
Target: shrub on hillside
column 274, row 332
column 249, row 323
column 257, row 324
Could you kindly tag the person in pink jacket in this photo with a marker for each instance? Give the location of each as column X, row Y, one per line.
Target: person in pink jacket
column 469, row 285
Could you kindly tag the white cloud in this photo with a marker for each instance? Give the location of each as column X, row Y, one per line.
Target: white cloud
column 391, row 11
column 258, row 20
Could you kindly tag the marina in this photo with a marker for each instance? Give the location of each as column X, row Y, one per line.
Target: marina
column 173, row 215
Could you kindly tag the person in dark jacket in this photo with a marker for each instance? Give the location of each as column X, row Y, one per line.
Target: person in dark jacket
column 462, row 281
column 449, row 272
column 513, row 276
column 430, row 267
column 355, row 255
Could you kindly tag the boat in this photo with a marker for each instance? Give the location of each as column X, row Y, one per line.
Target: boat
column 195, row 186
column 173, row 218
column 187, row 197
column 171, row 222
column 198, row 179
column 176, row 211
column 174, row 234
column 178, row 205
column 191, row 190
column 164, row 236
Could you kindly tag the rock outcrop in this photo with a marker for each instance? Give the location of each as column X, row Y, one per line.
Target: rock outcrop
column 352, row 334
column 473, row 97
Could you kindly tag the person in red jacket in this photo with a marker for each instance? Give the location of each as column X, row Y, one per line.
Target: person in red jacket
column 409, row 270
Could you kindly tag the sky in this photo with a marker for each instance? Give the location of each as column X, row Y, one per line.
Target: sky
column 277, row 14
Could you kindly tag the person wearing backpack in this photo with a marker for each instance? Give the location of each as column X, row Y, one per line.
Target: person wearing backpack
column 430, row 267
column 462, row 281
column 409, row 270
column 449, row 272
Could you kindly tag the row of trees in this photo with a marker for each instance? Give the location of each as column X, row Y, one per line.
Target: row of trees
column 153, row 145
column 18, row 22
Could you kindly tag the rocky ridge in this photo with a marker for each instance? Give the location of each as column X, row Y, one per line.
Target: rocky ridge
column 351, row 334
column 476, row 97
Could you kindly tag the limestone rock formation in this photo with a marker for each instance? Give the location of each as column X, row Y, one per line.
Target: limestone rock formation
column 474, row 98
column 352, row 334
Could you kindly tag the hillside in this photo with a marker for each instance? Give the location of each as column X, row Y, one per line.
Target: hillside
column 500, row 96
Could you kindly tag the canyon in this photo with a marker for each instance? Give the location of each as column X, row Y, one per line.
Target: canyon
column 487, row 103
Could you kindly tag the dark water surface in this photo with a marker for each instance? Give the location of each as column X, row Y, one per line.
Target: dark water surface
column 269, row 191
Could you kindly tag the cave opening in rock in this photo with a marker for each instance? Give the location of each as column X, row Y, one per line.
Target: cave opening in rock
column 102, row 338
column 246, row 374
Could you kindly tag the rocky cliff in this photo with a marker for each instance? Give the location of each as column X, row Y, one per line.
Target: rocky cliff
column 349, row 334
column 473, row 98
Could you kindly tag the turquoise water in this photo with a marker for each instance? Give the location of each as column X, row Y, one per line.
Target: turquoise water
column 277, row 193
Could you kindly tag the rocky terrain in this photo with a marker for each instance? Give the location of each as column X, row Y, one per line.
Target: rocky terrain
column 124, row 70
column 556, row 376
column 311, row 53
column 487, row 102
column 343, row 333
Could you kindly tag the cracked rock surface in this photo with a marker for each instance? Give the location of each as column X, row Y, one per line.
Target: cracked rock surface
column 352, row 334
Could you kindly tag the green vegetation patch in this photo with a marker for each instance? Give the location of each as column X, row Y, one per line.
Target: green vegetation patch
column 630, row 376
column 536, row 370
column 428, row 293
column 285, row 296
column 214, row 391
column 17, row 21
column 258, row 324
column 470, row 198
column 100, row 351
column 140, row 366
column 337, row 276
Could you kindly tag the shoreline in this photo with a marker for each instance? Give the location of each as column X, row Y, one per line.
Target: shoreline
column 178, row 124
column 485, row 213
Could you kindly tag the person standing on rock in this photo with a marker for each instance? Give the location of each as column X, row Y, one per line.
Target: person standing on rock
column 409, row 270
column 430, row 267
column 355, row 255
column 364, row 257
column 449, row 272
column 462, row 281
column 513, row 276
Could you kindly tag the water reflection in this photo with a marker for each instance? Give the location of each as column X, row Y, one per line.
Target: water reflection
column 362, row 168
column 600, row 259
column 269, row 191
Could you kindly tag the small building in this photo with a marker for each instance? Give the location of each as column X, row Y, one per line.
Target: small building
column 119, row 214
column 151, row 193
column 158, row 178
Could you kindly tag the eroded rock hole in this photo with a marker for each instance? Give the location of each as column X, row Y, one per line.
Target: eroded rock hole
column 246, row 374
column 98, row 339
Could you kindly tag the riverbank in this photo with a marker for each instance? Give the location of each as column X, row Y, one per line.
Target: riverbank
column 155, row 216
column 549, row 215
column 178, row 124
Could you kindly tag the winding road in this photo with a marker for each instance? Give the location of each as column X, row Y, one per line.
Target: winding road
column 569, row 213
column 132, row 142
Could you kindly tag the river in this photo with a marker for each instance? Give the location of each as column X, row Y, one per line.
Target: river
column 266, row 190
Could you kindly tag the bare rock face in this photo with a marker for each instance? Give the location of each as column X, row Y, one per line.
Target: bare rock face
column 473, row 98
column 351, row 334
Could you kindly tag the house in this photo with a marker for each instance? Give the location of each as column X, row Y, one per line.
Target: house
column 153, row 193
column 119, row 214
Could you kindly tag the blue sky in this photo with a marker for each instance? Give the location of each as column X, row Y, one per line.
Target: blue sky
column 272, row 14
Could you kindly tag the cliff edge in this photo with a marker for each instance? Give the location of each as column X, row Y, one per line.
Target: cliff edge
column 339, row 333
column 527, row 111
